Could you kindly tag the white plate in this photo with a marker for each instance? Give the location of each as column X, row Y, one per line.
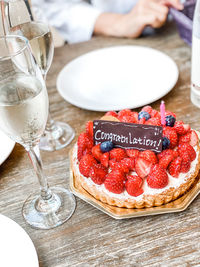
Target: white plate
column 6, row 147
column 16, row 247
column 117, row 77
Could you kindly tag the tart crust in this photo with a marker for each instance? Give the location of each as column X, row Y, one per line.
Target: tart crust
column 147, row 201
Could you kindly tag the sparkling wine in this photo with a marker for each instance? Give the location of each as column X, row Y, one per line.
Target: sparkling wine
column 23, row 108
column 41, row 42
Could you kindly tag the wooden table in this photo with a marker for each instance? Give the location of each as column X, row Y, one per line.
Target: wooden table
column 90, row 237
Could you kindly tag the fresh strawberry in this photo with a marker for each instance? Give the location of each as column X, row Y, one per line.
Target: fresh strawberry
column 120, row 166
column 129, row 162
column 84, row 143
column 175, row 153
column 167, row 113
column 181, row 128
column 124, row 112
column 147, row 109
column 171, row 134
column 114, row 182
column 194, row 138
column 132, row 118
column 153, row 121
column 85, row 164
column 133, row 185
column 98, row 173
column 185, row 138
column 117, row 154
column 166, row 152
column 89, row 129
column 164, row 161
column 187, row 148
column 111, row 163
column 96, row 152
column 142, row 167
column 186, row 162
column 155, row 114
column 158, row 177
column 142, row 121
column 175, row 167
column 112, row 113
column 104, row 159
column 149, row 156
column 132, row 153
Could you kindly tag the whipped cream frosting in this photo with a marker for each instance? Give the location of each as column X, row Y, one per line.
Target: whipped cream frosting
column 173, row 182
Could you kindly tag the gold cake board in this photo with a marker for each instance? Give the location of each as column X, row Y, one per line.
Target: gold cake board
column 177, row 205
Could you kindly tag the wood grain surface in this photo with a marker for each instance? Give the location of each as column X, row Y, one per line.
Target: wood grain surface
column 90, row 237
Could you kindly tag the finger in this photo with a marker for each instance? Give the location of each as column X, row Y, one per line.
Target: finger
column 173, row 3
column 155, row 20
column 158, row 8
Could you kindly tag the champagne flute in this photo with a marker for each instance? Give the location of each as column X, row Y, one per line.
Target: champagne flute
column 18, row 20
column 23, row 115
column 57, row 135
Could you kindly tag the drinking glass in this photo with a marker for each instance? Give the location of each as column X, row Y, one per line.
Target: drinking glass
column 23, row 116
column 57, row 135
column 18, row 19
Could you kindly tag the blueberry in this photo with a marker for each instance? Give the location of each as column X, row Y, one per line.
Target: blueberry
column 144, row 114
column 170, row 120
column 165, row 143
column 106, row 146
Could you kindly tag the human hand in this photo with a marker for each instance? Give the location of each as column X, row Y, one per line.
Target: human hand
column 145, row 13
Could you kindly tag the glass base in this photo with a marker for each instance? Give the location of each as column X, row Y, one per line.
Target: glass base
column 47, row 214
column 57, row 137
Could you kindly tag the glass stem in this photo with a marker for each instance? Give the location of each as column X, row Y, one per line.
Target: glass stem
column 50, row 126
column 34, row 155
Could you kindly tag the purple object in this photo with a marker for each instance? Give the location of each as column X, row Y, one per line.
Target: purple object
column 184, row 20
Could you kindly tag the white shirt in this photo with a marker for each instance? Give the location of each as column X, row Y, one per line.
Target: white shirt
column 75, row 19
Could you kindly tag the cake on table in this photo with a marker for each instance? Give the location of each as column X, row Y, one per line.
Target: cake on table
column 134, row 178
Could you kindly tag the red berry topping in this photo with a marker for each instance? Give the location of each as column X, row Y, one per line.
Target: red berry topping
column 185, row 138
column 133, row 185
column 147, row 109
column 104, row 159
column 175, row 167
column 142, row 121
column 171, row 134
column 157, row 177
column 85, row 143
column 111, row 113
column 96, row 152
column 164, row 161
column 89, row 129
column 132, row 153
column 117, row 154
column 181, row 128
column 154, row 121
column 126, row 115
column 111, row 163
column 85, row 164
column 186, row 162
column 155, row 114
column 129, row 163
column 149, row 155
column 167, row 152
column 142, row 167
column 120, row 166
column 194, row 138
column 98, row 173
column 182, row 148
column 114, row 182
column 167, row 113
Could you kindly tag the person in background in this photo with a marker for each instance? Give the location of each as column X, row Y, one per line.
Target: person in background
column 78, row 20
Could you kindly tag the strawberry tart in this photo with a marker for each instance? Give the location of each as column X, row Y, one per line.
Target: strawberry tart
column 136, row 179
